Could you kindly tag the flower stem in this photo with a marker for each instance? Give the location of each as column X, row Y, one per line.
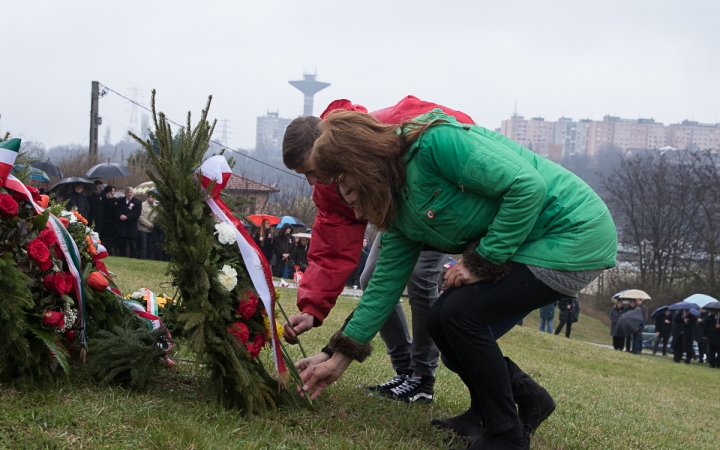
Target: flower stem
column 288, row 321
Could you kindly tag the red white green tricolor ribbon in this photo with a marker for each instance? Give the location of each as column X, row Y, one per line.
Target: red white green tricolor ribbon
column 216, row 170
column 8, row 153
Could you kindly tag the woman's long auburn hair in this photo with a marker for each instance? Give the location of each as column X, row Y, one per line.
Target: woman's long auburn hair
column 358, row 147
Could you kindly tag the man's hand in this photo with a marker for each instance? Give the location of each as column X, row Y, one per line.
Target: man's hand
column 286, row 255
column 317, row 378
column 297, row 325
column 458, row 275
column 657, row 334
column 123, row 217
column 305, row 363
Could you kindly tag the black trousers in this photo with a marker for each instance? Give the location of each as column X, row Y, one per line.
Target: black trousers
column 628, row 343
column 560, row 327
column 714, row 355
column 682, row 343
column 702, row 350
column 664, row 340
column 125, row 243
column 459, row 324
column 618, row 342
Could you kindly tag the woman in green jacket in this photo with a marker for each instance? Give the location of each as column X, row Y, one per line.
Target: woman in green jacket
column 530, row 232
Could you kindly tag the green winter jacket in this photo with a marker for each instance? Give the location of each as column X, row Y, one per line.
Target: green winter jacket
column 466, row 183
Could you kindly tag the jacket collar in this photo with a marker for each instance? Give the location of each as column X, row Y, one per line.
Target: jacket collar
column 435, row 114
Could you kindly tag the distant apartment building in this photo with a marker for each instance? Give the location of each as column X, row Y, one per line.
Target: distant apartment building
column 693, row 135
column 555, row 140
column 269, row 134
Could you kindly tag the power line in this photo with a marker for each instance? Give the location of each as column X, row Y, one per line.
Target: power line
column 214, row 142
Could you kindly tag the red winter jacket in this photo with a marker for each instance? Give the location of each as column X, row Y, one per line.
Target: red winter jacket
column 337, row 235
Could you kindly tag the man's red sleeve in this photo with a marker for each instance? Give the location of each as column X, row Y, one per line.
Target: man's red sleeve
column 334, row 253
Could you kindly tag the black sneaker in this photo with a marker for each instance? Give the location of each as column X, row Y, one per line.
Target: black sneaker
column 399, row 379
column 413, row 390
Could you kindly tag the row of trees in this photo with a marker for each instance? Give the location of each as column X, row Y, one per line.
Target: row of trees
column 666, row 207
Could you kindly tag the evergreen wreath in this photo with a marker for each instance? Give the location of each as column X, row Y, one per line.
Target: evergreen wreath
column 216, row 313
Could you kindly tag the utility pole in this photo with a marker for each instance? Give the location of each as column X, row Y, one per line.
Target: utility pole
column 94, row 119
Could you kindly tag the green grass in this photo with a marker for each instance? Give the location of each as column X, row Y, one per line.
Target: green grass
column 606, row 400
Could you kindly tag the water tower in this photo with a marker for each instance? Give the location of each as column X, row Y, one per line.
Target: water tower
column 309, row 86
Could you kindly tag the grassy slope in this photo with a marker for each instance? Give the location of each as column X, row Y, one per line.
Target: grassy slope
column 605, row 399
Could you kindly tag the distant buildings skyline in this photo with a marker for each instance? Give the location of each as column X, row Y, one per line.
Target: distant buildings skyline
column 588, row 137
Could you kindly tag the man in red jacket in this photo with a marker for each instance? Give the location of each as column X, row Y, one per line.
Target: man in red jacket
column 335, row 252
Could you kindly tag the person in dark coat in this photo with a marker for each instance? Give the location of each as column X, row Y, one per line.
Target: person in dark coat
column 663, row 328
column 264, row 239
column 636, row 336
column 95, row 201
column 300, row 255
column 78, row 201
column 683, row 336
column 128, row 211
column 631, row 304
column 699, row 336
column 108, row 235
column 354, row 279
column 639, row 303
column 547, row 314
column 712, row 333
column 615, row 313
column 566, row 315
column 284, row 247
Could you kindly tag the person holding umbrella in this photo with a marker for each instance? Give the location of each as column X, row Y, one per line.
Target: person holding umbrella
column 615, row 313
column 97, row 210
column 264, row 239
column 712, row 333
column 683, row 336
column 78, row 201
column 663, row 328
column 284, row 247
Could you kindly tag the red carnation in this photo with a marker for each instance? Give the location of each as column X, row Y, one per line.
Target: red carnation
column 64, row 221
column 47, row 236
column 240, row 330
column 34, row 192
column 8, row 206
column 61, row 282
column 54, row 319
column 255, row 347
column 40, row 253
column 248, row 307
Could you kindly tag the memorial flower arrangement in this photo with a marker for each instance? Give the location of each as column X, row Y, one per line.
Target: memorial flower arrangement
column 50, row 303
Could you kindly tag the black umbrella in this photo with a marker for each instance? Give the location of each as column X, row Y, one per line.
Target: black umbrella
column 629, row 322
column 107, row 170
column 48, row 167
column 660, row 310
column 66, row 184
column 713, row 305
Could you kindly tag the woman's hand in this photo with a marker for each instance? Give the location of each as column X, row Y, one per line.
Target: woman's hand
column 303, row 364
column 458, row 275
column 317, row 378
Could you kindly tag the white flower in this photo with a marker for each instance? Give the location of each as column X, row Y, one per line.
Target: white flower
column 69, row 216
column 225, row 233
column 137, row 295
column 227, row 276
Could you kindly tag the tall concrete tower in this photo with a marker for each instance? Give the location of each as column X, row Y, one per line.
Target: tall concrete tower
column 309, row 86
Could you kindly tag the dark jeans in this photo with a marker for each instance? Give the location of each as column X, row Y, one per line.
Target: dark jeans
column 124, row 243
column 459, row 323
column 619, row 342
column 560, row 327
column 664, row 340
column 145, row 249
column 714, row 355
column 637, row 343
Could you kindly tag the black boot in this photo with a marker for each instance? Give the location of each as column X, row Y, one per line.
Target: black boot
column 534, row 403
column 514, row 439
column 468, row 423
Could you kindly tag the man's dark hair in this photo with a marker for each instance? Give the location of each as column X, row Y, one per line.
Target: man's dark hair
column 299, row 138
column 98, row 182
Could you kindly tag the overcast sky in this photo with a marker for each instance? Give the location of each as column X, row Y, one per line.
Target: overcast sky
column 629, row 58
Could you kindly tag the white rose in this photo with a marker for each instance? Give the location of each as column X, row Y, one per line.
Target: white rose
column 225, row 233
column 227, row 276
